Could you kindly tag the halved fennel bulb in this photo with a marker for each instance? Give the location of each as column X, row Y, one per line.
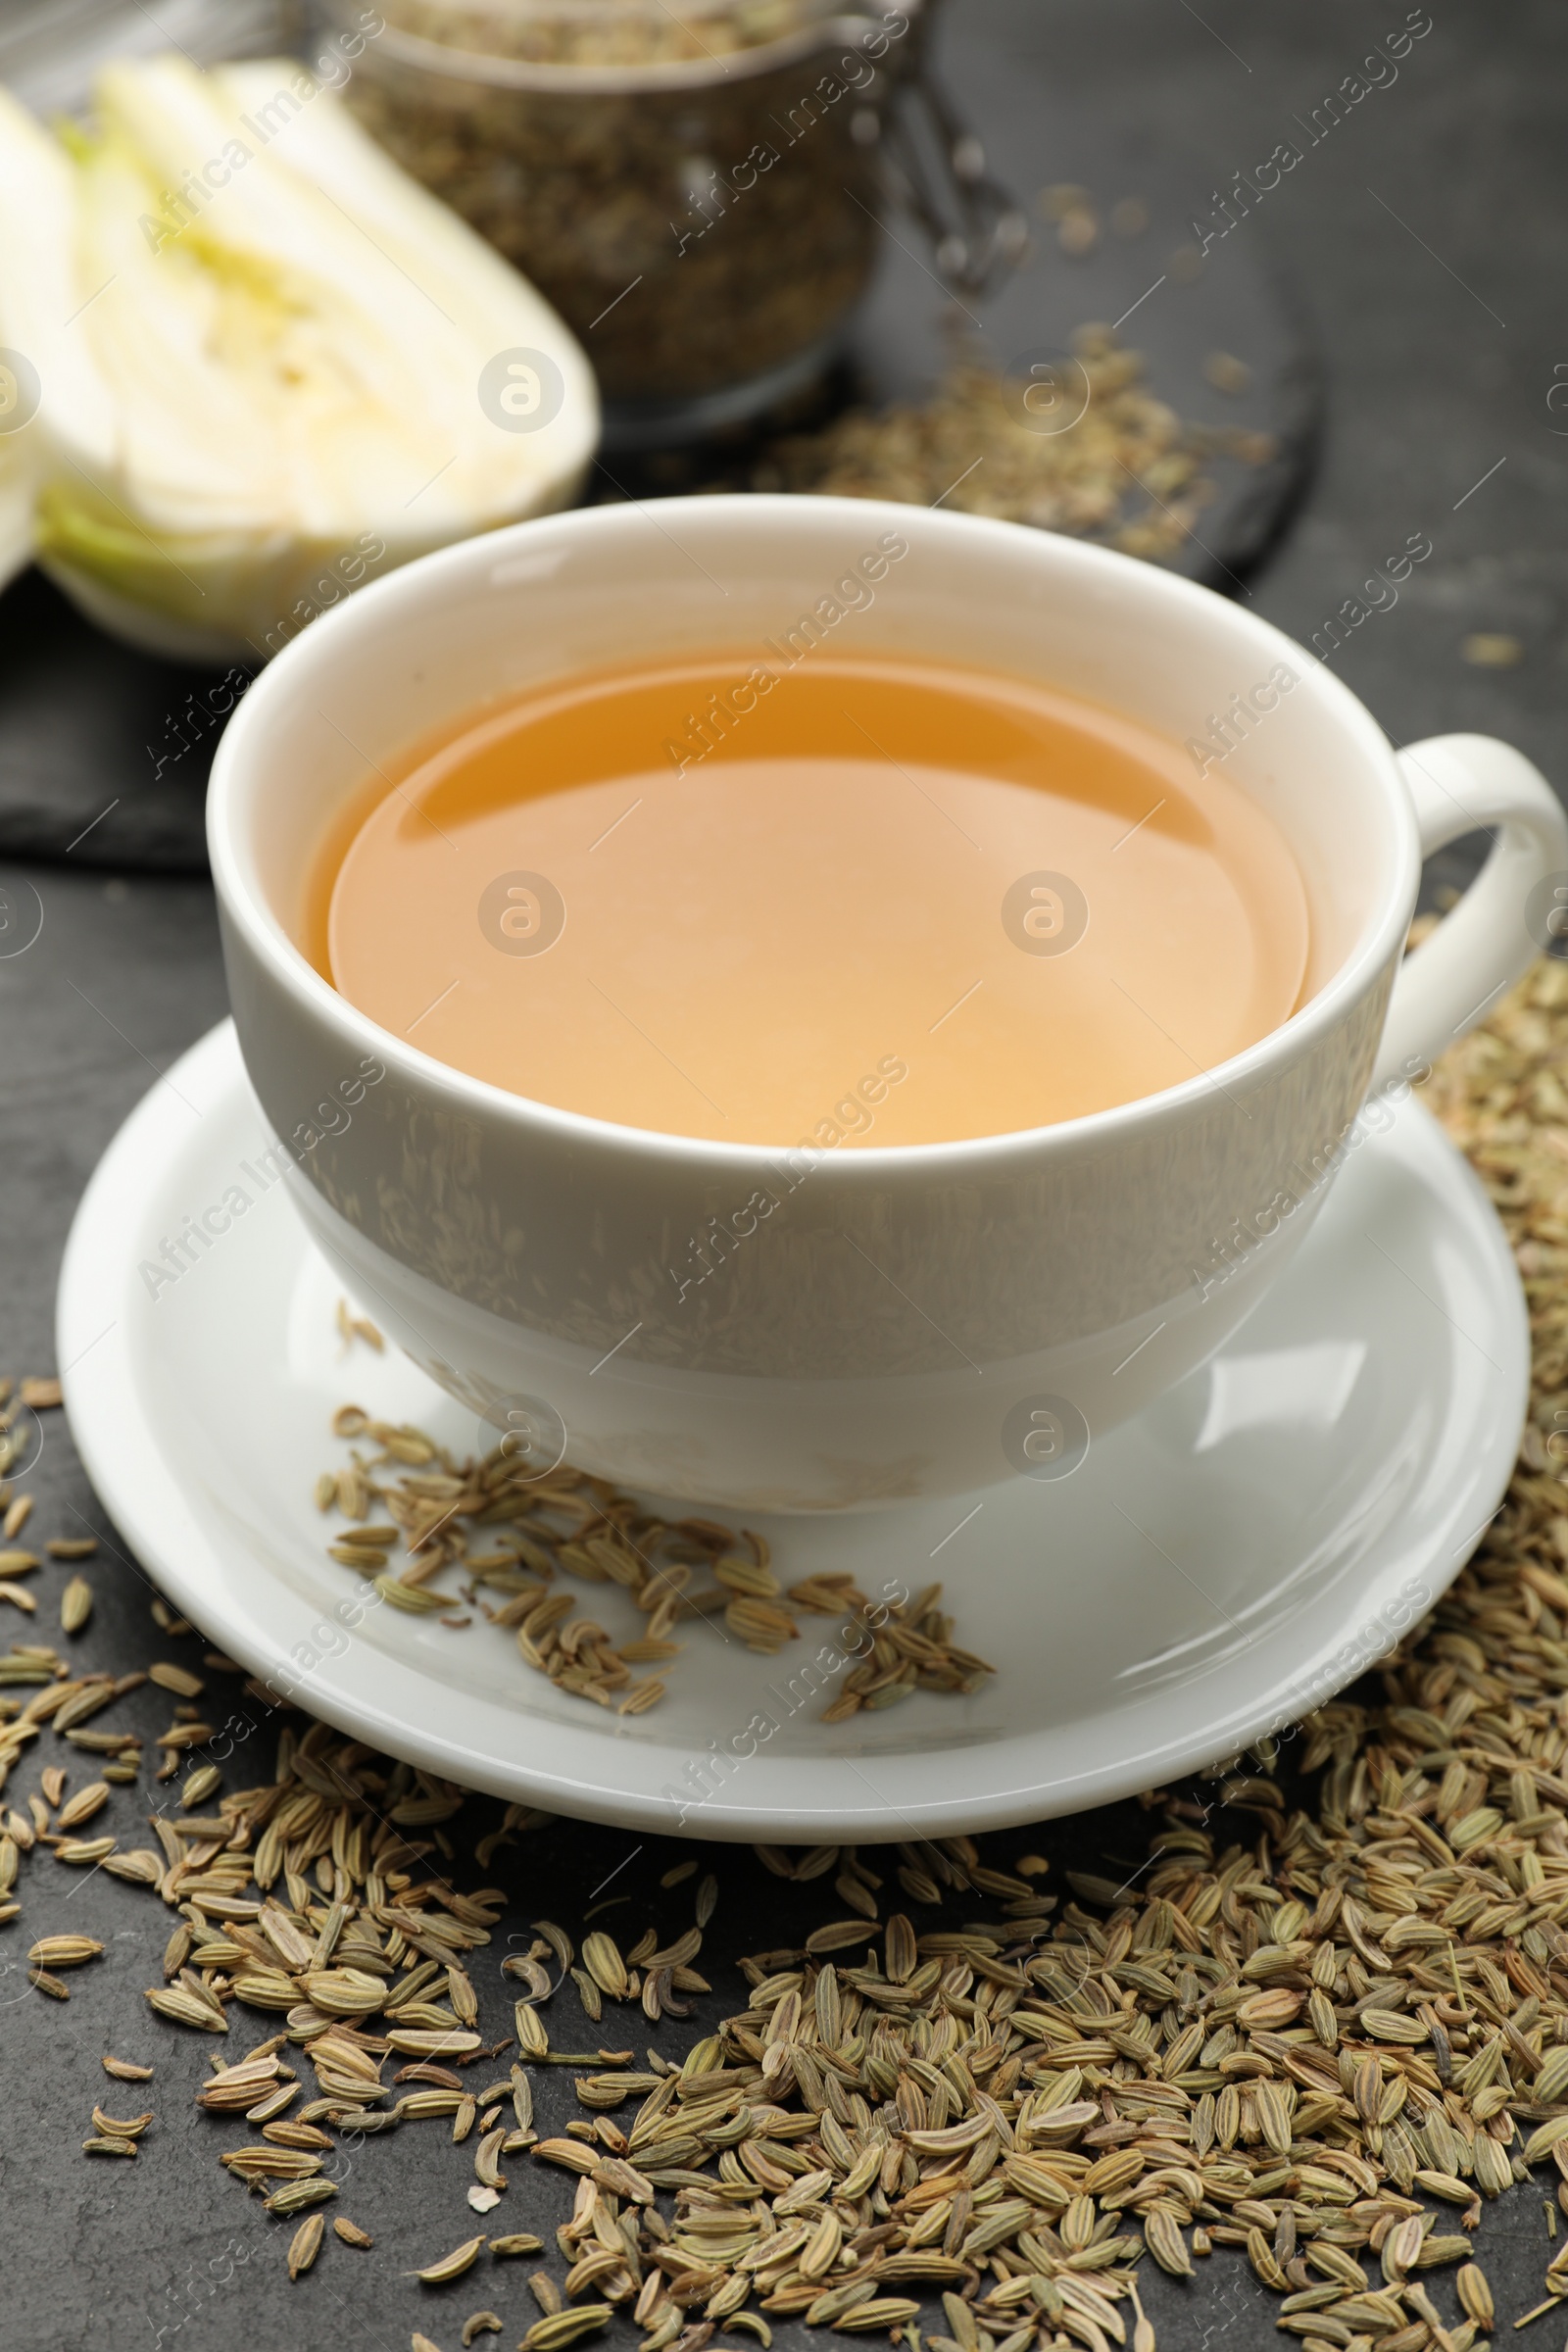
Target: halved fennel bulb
column 269, row 365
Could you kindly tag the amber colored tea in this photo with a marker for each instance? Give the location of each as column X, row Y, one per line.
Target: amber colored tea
column 871, row 901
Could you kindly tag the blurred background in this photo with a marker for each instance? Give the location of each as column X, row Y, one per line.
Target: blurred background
column 1310, row 258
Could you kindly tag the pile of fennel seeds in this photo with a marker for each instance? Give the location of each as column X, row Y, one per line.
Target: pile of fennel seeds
column 1092, row 452
column 1323, row 2028
column 508, row 1534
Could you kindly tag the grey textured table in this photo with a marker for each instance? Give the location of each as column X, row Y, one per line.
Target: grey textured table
column 1426, row 229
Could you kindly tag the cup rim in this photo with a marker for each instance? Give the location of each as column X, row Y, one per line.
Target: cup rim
column 428, row 577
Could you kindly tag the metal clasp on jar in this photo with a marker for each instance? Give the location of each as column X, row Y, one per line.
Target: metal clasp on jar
column 935, row 166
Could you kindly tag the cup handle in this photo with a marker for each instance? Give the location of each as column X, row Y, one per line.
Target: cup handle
column 1460, row 784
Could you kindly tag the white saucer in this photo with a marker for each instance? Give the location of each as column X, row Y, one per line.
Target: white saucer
column 1211, row 1573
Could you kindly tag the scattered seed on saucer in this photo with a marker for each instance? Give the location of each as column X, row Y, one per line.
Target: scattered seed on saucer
column 357, row 1327
column 508, row 1534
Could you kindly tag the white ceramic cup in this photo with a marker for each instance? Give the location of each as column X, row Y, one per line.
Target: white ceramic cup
column 886, row 1322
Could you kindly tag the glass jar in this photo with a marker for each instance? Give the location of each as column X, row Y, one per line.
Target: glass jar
column 696, row 193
